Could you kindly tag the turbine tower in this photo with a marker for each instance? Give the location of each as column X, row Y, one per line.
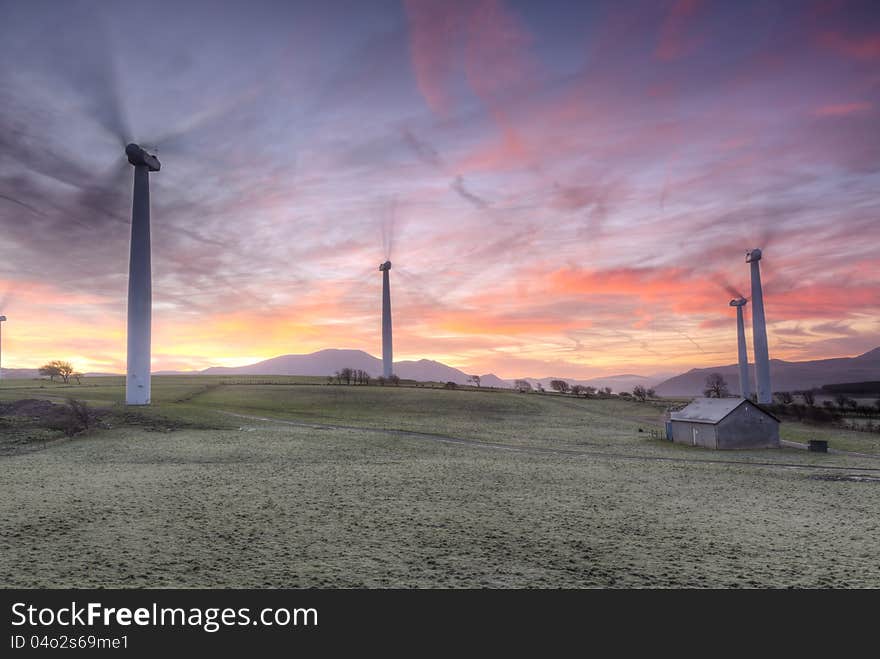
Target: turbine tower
column 741, row 347
column 387, row 358
column 137, row 381
column 2, row 319
column 759, row 330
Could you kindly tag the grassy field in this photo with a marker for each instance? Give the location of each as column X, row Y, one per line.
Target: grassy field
column 352, row 486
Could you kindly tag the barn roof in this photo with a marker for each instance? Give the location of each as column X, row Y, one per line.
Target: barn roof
column 712, row 410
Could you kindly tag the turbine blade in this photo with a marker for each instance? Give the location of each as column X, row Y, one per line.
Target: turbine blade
column 217, row 111
column 21, row 203
column 388, row 229
column 727, row 286
column 6, row 298
column 415, row 286
column 81, row 54
column 110, row 195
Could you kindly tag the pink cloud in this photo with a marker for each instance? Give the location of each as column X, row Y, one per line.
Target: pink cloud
column 858, row 47
column 842, row 109
column 433, row 29
column 677, row 38
column 480, row 41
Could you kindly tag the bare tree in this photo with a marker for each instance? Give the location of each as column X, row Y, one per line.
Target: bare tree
column 394, row 380
column 560, row 385
column 809, row 398
column 577, row 389
column 475, row 379
column 524, row 386
column 651, row 393
column 589, row 391
column 716, row 387
column 58, row 368
column 784, row 397
column 640, row 393
column 51, row 370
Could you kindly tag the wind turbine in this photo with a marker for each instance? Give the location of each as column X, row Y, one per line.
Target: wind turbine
column 137, row 378
column 759, row 330
column 739, row 303
column 2, row 320
column 387, row 357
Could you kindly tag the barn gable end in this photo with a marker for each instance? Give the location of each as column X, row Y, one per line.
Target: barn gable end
column 725, row 423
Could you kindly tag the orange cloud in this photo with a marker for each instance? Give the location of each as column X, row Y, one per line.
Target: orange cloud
column 646, row 284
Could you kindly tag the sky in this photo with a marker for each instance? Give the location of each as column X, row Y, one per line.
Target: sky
column 563, row 188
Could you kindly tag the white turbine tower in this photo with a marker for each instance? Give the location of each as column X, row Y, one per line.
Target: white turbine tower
column 387, row 357
column 2, row 320
column 741, row 347
column 137, row 380
column 759, row 330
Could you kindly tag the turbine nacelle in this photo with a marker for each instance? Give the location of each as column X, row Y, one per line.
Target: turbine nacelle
column 753, row 255
column 385, row 266
column 138, row 156
column 2, row 318
column 739, row 302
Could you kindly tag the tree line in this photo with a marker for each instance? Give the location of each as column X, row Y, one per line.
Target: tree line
column 357, row 376
column 639, row 392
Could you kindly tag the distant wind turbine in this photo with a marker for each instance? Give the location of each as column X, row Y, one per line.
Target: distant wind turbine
column 759, row 330
column 2, row 320
column 387, row 356
column 739, row 303
column 388, row 230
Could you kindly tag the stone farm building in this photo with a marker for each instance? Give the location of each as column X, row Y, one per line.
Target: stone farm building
column 724, row 423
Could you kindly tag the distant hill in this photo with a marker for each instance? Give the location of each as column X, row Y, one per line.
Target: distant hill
column 31, row 373
column 327, row 362
column 19, row 373
column 853, row 388
column 784, row 376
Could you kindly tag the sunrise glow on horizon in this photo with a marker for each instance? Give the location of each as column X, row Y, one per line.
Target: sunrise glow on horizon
column 566, row 189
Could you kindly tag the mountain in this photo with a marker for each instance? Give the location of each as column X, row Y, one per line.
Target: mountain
column 327, row 362
column 323, row 362
column 492, row 380
column 785, row 376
